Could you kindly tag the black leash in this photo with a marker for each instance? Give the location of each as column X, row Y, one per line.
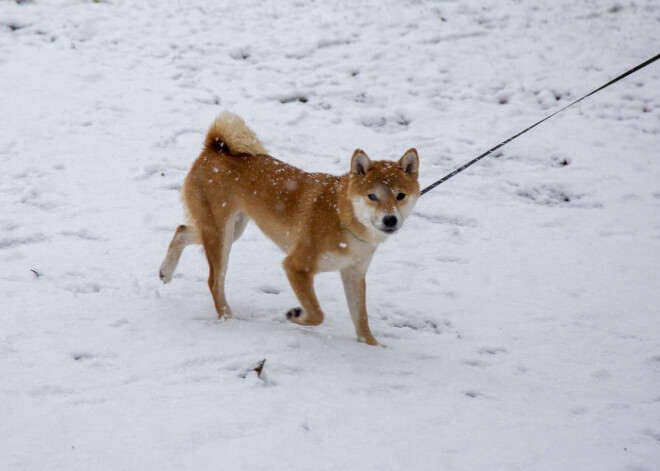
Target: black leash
column 474, row 161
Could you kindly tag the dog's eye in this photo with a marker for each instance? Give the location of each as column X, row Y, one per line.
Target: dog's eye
column 372, row 197
column 400, row 196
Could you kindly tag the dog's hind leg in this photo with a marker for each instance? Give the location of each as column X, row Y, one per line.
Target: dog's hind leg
column 217, row 245
column 240, row 221
column 183, row 237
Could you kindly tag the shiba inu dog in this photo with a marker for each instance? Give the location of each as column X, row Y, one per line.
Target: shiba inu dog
column 321, row 222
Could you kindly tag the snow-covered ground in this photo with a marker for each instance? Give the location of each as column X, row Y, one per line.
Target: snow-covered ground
column 520, row 305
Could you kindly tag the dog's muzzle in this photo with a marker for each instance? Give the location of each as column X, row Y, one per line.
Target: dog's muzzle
column 389, row 224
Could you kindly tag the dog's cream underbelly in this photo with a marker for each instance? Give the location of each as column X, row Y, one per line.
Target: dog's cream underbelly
column 334, row 261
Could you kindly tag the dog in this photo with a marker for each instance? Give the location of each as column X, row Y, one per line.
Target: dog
column 322, row 222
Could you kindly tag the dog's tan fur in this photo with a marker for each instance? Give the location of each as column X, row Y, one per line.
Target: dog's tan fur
column 322, row 222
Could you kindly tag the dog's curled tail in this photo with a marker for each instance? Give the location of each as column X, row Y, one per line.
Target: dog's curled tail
column 230, row 134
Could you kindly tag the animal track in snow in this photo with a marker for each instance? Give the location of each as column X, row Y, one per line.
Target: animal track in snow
column 84, row 287
column 293, row 98
column 80, row 356
column 405, row 321
column 50, row 390
column 387, row 124
column 80, row 234
column 492, row 351
column 241, row 53
column 655, row 362
column 654, row 434
column 476, row 363
column 453, row 219
column 472, row 393
column 9, row 242
column 269, row 289
column 550, row 195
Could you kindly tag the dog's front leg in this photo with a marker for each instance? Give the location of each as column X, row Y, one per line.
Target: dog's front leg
column 355, row 288
column 302, row 282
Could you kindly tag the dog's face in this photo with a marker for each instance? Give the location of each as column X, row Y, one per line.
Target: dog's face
column 383, row 192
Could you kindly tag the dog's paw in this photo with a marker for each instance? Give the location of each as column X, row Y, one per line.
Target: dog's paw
column 224, row 312
column 294, row 313
column 166, row 270
column 299, row 316
column 165, row 277
column 370, row 340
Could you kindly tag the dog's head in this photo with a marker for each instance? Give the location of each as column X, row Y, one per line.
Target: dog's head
column 383, row 192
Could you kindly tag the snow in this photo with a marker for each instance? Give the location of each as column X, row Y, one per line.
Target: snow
column 519, row 303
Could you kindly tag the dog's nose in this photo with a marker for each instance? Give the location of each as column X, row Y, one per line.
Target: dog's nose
column 390, row 221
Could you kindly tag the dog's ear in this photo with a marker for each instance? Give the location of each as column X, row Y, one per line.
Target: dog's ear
column 409, row 163
column 360, row 163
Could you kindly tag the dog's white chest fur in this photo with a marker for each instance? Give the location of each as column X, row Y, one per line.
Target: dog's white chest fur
column 355, row 252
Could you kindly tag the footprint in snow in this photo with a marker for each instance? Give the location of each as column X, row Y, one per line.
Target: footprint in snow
column 476, row 363
column 80, row 356
column 269, row 289
column 492, row 351
column 549, row 195
column 472, row 393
